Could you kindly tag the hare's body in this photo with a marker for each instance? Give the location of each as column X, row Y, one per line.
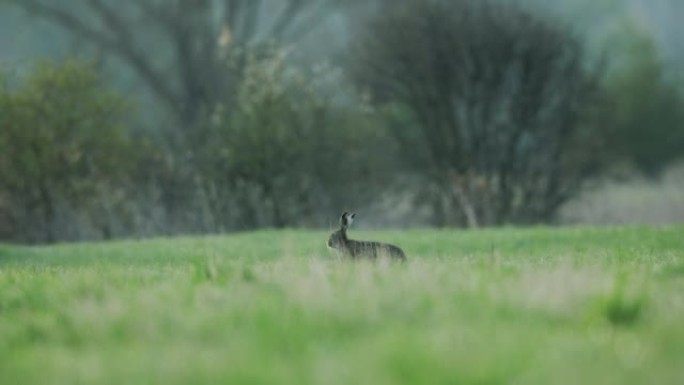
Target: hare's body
column 372, row 250
column 361, row 249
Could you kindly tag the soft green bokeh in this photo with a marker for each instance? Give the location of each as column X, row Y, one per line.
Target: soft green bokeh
column 560, row 306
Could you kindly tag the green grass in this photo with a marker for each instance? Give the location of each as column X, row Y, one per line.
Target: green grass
column 541, row 306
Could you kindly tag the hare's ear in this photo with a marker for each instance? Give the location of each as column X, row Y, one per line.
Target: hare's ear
column 346, row 219
column 343, row 219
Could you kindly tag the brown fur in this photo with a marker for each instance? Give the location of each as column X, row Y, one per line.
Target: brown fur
column 361, row 249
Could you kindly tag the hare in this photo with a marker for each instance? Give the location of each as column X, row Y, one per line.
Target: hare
column 361, row 249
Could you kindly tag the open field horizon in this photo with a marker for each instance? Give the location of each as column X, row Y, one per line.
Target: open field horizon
column 538, row 305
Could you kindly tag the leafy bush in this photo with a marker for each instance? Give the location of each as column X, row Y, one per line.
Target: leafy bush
column 293, row 148
column 62, row 145
column 645, row 118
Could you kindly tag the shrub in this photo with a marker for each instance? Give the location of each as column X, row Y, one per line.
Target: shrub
column 295, row 147
column 491, row 103
column 62, row 145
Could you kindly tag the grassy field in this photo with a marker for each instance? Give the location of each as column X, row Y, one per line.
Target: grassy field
column 539, row 306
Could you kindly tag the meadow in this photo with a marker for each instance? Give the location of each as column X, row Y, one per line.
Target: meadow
column 500, row 306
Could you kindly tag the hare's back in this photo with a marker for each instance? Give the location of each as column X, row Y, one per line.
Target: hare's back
column 376, row 249
column 396, row 252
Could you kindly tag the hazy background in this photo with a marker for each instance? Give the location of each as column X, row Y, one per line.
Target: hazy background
column 136, row 118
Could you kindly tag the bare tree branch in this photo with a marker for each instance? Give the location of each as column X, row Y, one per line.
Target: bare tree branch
column 286, row 18
column 194, row 78
column 250, row 21
column 117, row 43
column 497, row 96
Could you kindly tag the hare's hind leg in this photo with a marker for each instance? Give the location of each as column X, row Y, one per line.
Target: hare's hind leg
column 397, row 253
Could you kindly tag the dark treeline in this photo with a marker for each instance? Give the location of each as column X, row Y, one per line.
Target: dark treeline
column 472, row 113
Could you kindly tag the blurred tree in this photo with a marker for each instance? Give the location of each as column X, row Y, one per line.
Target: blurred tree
column 192, row 55
column 298, row 146
column 645, row 118
column 178, row 47
column 492, row 101
column 62, row 141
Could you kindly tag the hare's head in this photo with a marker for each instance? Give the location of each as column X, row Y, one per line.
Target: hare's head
column 338, row 239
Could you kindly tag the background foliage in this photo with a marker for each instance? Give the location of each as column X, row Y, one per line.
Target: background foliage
column 161, row 117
